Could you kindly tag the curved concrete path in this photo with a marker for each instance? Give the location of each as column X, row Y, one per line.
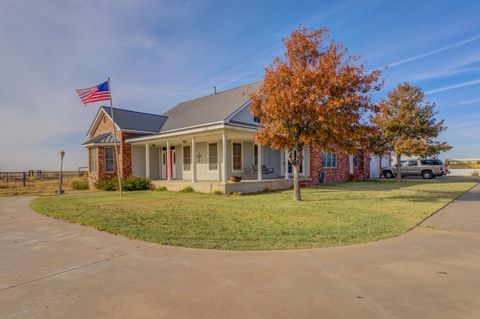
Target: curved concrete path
column 54, row 269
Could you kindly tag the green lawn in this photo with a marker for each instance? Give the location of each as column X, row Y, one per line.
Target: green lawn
column 330, row 215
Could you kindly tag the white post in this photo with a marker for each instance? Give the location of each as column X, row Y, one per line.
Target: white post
column 260, row 162
column 286, row 164
column 224, row 155
column 160, row 162
column 193, row 162
column 167, row 162
column 147, row 161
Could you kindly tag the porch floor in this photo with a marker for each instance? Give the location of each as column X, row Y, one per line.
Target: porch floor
column 244, row 186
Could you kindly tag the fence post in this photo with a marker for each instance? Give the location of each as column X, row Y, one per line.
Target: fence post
column 24, row 179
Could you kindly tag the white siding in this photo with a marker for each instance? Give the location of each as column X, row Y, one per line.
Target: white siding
column 138, row 160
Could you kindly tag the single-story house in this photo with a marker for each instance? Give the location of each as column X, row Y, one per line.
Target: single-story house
column 202, row 143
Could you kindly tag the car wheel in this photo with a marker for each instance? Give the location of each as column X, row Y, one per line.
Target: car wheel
column 388, row 174
column 427, row 175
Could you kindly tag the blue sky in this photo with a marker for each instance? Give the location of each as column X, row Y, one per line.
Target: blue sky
column 159, row 53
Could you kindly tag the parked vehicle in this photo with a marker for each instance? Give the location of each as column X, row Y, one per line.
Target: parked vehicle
column 426, row 168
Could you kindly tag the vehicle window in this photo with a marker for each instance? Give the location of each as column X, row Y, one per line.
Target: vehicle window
column 412, row 163
column 431, row 162
column 403, row 163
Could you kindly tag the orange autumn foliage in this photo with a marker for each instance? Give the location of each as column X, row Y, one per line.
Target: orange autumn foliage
column 315, row 95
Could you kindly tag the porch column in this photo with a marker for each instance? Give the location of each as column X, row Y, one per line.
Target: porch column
column 224, row 156
column 147, row 160
column 194, row 165
column 286, row 164
column 260, row 162
column 167, row 162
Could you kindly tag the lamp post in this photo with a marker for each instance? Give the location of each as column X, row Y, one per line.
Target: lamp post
column 60, row 190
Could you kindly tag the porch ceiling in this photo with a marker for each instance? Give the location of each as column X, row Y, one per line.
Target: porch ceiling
column 209, row 136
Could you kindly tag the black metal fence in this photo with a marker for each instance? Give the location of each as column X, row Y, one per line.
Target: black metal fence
column 22, row 179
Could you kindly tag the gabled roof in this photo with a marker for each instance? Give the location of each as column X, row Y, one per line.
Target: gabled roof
column 136, row 121
column 208, row 109
column 105, row 138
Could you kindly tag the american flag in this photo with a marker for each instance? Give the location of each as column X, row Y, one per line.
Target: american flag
column 95, row 93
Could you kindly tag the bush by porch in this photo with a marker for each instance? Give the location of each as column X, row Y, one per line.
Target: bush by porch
column 330, row 215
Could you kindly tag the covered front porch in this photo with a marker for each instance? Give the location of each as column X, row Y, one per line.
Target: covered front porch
column 207, row 161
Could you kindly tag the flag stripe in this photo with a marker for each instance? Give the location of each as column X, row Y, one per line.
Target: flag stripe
column 96, row 93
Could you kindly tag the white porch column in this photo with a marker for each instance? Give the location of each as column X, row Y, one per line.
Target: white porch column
column 224, row 156
column 147, row 160
column 193, row 162
column 286, row 164
column 167, row 162
column 260, row 162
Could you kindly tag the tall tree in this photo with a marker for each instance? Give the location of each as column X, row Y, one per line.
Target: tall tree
column 315, row 95
column 408, row 125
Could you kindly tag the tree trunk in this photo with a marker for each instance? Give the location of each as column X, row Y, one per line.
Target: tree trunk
column 296, row 158
column 399, row 172
column 296, row 183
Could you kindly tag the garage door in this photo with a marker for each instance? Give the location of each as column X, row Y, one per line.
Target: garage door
column 374, row 163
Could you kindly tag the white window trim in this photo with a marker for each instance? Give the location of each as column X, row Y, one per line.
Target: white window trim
column 208, row 158
column 241, row 156
column 95, row 159
column 105, row 159
column 183, row 157
column 329, row 167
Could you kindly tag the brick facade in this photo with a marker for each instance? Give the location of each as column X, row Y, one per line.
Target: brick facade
column 341, row 173
column 124, row 149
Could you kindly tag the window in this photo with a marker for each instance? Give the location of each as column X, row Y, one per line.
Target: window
column 329, row 160
column 255, row 154
column 108, row 159
column 431, row 162
column 237, row 156
column 212, row 157
column 412, row 163
column 290, row 167
column 186, row 158
column 356, row 161
column 256, row 119
column 93, row 159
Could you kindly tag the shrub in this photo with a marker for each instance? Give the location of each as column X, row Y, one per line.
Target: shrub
column 107, row 184
column 217, row 193
column 475, row 174
column 134, row 183
column 80, row 184
column 161, row 189
column 187, row 189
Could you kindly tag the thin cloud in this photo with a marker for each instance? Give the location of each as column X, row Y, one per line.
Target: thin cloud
column 466, row 102
column 423, row 55
column 452, row 87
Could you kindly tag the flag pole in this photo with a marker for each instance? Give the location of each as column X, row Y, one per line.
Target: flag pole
column 115, row 140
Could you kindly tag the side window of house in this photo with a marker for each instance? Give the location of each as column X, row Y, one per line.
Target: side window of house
column 108, row 159
column 237, row 156
column 212, row 157
column 186, row 158
column 255, row 154
column 93, row 159
column 329, row 160
column 290, row 166
column 356, row 161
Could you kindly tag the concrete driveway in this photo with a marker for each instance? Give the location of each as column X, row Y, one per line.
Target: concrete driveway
column 54, row 269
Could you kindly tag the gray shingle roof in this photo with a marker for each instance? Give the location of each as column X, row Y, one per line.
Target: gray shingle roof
column 208, row 109
column 104, row 138
column 136, row 121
